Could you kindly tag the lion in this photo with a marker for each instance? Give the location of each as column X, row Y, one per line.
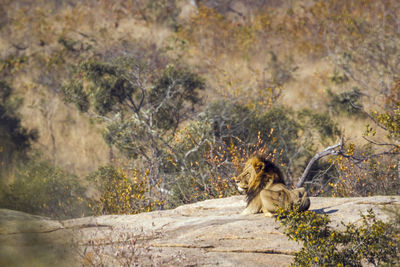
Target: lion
column 265, row 188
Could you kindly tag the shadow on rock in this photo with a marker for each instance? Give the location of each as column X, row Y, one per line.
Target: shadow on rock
column 322, row 211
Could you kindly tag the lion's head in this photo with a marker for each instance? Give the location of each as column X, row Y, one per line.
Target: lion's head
column 257, row 174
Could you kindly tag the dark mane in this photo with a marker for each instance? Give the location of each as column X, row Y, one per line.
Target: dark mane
column 269, row 167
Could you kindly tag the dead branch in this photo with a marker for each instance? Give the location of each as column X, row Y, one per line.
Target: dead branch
column 327, row 151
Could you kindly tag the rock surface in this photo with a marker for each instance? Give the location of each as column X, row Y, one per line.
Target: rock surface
column 207, row 233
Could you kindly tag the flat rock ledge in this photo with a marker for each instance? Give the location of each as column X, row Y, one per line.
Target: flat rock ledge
column 207, row 233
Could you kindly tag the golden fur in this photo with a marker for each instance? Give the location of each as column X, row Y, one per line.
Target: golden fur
column 265, row 189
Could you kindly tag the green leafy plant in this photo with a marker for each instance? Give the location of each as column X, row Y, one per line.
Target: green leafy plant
column 372, row 241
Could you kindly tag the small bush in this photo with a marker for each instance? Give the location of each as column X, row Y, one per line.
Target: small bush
column 373, row 241
column 347, row 103
column 120, row 194
column 360, row 174
column 40, row 188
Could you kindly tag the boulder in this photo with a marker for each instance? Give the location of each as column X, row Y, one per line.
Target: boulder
column 207, row 233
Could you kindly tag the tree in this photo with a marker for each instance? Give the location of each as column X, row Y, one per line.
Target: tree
column 141, row 117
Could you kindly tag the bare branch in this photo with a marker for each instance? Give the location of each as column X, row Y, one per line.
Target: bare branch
column 358, row 160
column 379, row 144
column 327, row 151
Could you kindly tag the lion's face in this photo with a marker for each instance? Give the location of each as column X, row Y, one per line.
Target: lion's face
column 257, row 173
column 243, row 180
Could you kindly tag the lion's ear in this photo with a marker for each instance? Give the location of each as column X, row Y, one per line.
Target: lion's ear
column 259, row 166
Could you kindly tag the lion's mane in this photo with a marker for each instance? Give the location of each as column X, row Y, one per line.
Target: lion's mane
column 266, row 173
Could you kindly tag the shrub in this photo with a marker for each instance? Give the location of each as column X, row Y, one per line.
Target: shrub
column 373, row 241
column 348, row 102
column 120, row 194
column 365, row 171
column 212, row 149
column 40, row 188
column 204, row 171
column 234, row 122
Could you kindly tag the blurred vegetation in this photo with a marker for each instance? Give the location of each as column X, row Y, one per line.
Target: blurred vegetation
column 40, row 188
column 347, row 102
column 15, row 139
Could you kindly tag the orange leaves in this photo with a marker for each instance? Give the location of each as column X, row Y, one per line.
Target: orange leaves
column 375, row 175
column 127, row 192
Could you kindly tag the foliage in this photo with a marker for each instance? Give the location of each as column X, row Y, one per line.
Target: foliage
column 206, row 153
column 347, row 102
column 15, row 140
column 205, row 171
column 171, row 92
column 339, row 78
column 191, row 161
column 390, row 121
column 373, row 241
column 364, row 53
column 40, row 188
column 141, row 119
column 313, row 30
column 364, row 173
column 241, row 125
column 11, row 64
column 164, row 11
column 373, row 168
column 122, row 192
column 119, row 89
column 108, row 87
column 322, row 123
column 214, row 147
